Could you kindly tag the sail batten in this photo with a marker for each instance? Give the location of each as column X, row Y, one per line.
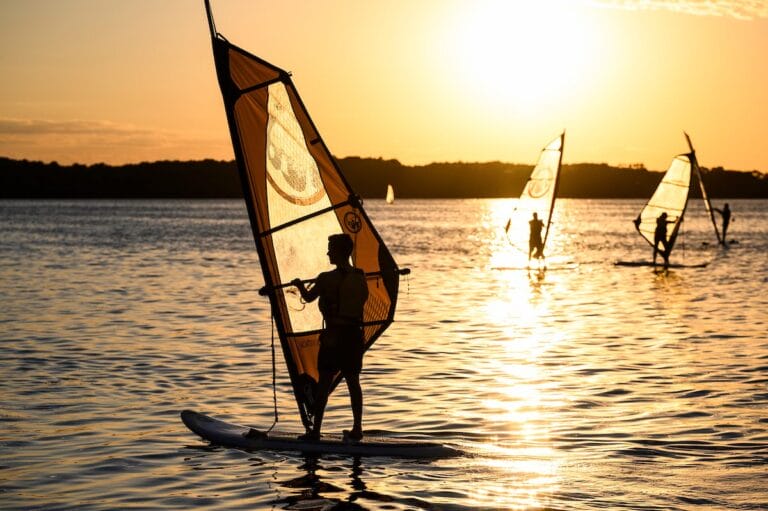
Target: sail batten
column 304, row 218
column 296, row 196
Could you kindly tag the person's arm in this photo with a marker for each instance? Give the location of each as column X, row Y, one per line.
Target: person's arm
column 308, row 295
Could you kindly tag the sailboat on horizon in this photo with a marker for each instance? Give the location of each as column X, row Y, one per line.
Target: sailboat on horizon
column 390, row 197
column 537, row 203
column 296, row 196
column 668, row 205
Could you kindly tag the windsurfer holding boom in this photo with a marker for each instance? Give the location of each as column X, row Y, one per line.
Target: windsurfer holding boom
column 660, row 238
column 342, row 292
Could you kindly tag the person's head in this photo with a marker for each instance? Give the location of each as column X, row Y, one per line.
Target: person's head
column 339, row 247
column 663, row 214
column 726, row 205
column 535, row 216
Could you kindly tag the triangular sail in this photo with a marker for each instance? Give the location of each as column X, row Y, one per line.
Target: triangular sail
column 704, row 196
column 670, row 197
column 538, row 196
column 296, row 197
column 390, row 194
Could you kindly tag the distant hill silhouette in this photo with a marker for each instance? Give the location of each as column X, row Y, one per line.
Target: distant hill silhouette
column 368, row 176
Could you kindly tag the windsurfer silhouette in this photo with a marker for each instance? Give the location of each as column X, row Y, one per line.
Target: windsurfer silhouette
column 535, row 245
column 342, row 292
column 660, row 237
column 726, row 214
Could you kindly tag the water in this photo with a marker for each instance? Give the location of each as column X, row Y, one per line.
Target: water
column 585, row 386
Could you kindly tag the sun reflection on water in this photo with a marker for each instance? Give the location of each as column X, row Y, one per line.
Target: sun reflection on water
column 520, row 399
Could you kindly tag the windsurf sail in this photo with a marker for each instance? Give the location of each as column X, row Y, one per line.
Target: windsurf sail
column 296, row 196
column 704, row 196
column 670, row 197
column 390, row 194
column 538, row 197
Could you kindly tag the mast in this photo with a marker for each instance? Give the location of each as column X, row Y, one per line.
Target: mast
column 704, row 196
column 209, row 13
column 230, row 96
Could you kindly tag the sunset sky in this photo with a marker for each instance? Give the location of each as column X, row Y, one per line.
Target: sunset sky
column 417, row 80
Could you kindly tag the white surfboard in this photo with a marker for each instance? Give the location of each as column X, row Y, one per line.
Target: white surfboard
column 233, row 435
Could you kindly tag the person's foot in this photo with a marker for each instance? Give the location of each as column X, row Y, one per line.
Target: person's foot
column 353, row 436
column 255, row 434
column 310, row 436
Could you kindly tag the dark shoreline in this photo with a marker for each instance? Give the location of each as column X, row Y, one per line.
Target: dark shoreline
column 20, row 179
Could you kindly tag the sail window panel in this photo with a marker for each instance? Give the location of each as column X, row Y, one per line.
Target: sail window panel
column 335, row 186
column 301, row 253
column 291, row 169
column 247, row 72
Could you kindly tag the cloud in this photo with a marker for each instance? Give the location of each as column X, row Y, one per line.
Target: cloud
column 740, row 9
column 83, row 141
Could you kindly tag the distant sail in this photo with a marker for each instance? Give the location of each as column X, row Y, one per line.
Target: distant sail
column 538, row 196
column 703, row 189
column 670, row 197
column 296, row 197
column 390, row 194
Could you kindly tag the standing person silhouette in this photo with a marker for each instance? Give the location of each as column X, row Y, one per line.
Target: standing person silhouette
column 535, row 245
column 660, row 237
column 726, row 214
column 342, row 292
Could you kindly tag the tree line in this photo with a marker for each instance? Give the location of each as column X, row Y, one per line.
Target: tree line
column 367, row 176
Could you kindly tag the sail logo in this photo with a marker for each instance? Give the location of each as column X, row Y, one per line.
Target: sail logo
column 291, row 169
column 353, row 222
column 539, row 186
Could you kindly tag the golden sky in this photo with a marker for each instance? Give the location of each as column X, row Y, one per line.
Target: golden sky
column 417, row 80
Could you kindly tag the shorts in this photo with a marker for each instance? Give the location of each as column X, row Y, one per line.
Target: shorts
column 341, row 349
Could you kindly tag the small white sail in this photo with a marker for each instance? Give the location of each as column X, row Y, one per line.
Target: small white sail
column 390, row 194
column 538, row 197
column 670, row 197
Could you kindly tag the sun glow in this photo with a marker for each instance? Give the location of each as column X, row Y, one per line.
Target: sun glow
column 523, row 55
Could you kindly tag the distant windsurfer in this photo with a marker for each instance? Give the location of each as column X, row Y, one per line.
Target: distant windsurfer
column 726, row 214
column 342, row 292
column 535, row 245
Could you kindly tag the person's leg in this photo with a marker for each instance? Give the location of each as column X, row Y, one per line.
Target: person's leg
column 665, row 254
column 356, row 399
column 321, row 400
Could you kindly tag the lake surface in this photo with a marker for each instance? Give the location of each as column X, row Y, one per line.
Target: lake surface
column 584, row 386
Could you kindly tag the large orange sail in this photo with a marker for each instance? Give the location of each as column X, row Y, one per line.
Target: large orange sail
column 296, row 197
